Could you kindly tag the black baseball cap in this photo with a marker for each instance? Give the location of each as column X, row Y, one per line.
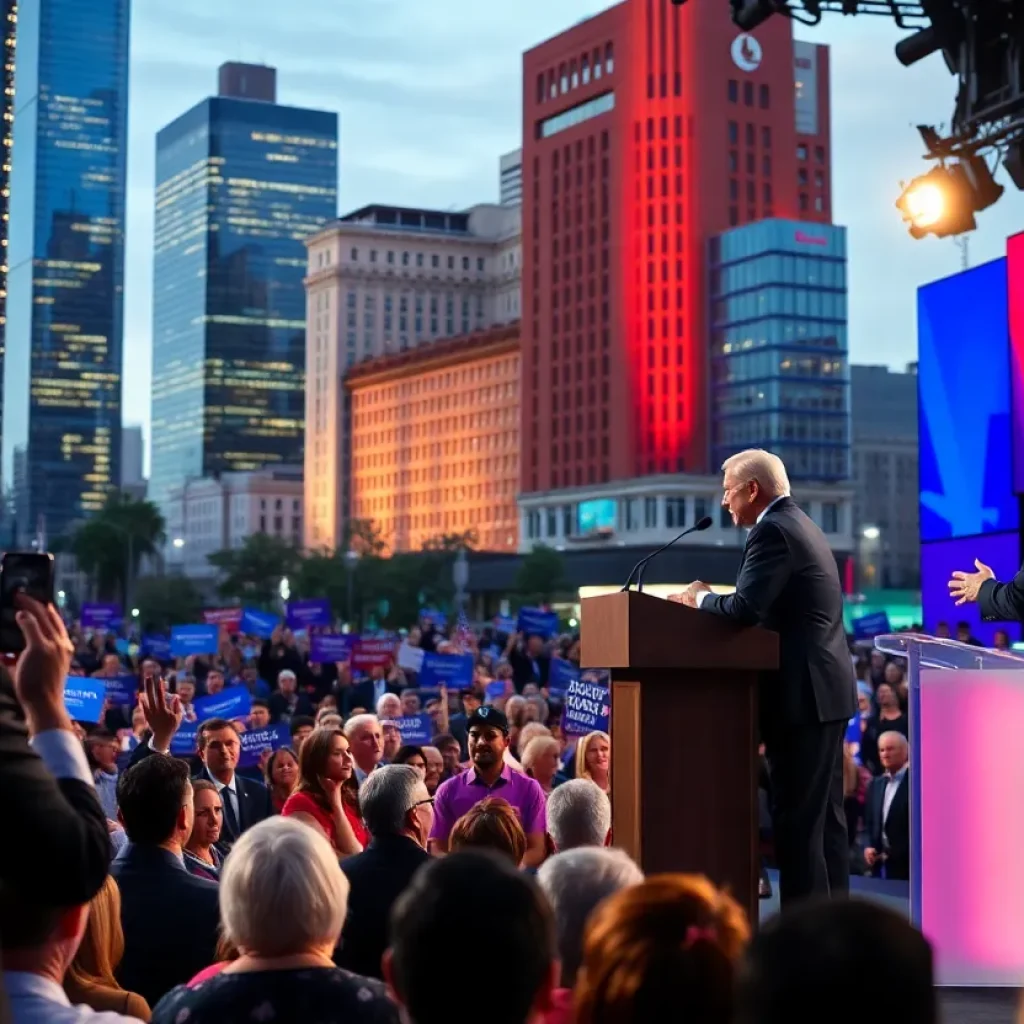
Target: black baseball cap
column 487, row 715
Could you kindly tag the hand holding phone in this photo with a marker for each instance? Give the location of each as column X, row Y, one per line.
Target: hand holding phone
column 23, row 573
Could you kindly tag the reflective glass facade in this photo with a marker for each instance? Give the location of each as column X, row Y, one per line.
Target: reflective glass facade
column 780, row 373
column 8, row 38
column 63, row 354
column 240, row 185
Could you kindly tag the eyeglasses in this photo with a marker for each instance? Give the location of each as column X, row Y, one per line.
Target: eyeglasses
column 420, row 803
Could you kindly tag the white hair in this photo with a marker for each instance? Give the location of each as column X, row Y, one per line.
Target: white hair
column 764, row 467
column 537, row 746
column 579, row 813
column 575, row 882
column 357, row 722
column 282, row 891
column 385, row 699
column 895, row 734
column 387, row 796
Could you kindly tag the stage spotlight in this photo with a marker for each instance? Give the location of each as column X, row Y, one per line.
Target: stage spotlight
column 943, row 202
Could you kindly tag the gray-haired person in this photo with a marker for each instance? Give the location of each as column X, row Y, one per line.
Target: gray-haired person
column 579, row 813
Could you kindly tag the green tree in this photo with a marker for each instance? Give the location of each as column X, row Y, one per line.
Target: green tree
column 452, row 542
column 165, row 601
column 252, row 573
column 323, row 574
column 541, row 575
column 365, row 537
column 109, row 546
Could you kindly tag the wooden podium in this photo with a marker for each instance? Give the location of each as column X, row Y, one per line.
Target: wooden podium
column 684, row 734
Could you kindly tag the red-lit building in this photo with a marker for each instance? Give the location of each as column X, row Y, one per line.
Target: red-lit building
column 647, row 130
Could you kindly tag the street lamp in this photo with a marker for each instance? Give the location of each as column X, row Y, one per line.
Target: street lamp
column 870, row 556
column 872, row 533
column 178, row 542
column 351, row 561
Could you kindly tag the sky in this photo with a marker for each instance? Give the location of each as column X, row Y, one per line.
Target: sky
column 429, row 96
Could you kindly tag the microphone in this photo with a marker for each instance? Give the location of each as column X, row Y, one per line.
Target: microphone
column 638, row 569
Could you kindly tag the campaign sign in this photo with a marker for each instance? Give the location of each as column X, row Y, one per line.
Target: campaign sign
column 229, row 618
column 121, row 690
column 257, row 623
column 325, row 648
column 370, row 652
column 535, row 622
column 256, row 741
column 234, row 702
column 156, row 645
column 587, row 704
column 432, row 616
column 417, row 729
column 100, row 616
column 185, row 740
column 186, row 640
column 505, row 624
column 561, row 674
column 83, row 698
column 867, row 627
column 313, row 611
column 452, row 670
column 852, row 739
column 495, row 688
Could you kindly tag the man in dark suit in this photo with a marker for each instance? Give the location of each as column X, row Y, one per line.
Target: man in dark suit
column 997, row 602
column 169, row 917
column 398, row 812
column 789, row 582
column 887, row 811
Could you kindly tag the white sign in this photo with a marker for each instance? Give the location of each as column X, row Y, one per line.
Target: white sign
column 746, row 52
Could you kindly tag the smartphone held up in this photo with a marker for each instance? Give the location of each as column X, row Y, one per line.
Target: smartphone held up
column 22, row 572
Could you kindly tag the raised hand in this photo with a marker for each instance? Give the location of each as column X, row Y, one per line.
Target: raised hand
column 163, row 712
column 43, row 666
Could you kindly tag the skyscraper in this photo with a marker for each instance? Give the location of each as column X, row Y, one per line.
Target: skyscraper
column 241, row 181
column 63, row 345
column 8, row 39
column 647, row 130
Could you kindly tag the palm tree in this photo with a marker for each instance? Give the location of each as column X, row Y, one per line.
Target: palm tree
column 109, row 546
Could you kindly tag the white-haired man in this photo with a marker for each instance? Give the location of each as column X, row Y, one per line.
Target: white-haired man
column 366, row 739
column 579, row 814
column 788, row 582
column 887, row 811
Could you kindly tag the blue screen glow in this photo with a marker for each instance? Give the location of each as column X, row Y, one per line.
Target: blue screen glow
column 598, row 514
column 964, row 403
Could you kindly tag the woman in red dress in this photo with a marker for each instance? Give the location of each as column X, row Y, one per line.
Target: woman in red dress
column 327, row 797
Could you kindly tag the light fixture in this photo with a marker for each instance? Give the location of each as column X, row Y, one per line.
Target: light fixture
column 178, row 542
column 871, row 533
column 943, row 202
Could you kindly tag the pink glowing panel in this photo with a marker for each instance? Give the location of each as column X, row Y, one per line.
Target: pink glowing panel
column 1015, row 291
column 969, row 765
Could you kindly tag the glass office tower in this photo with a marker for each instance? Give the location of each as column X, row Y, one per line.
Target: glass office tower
column 62, row 359
column 780, row 373
column 241, row 182
column 8, row 38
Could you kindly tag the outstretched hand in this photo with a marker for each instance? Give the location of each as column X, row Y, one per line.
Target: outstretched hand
column 43, row 666
column 163, row 712
column 965, row 586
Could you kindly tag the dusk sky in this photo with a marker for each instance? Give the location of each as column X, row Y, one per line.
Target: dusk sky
column 429, row 95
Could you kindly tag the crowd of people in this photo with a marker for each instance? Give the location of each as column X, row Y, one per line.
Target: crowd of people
column 337, row 879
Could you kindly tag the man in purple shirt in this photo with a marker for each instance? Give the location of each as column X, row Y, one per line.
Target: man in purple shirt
column 487, row 730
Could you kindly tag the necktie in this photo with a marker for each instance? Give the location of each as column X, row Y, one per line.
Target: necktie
column 230, row 816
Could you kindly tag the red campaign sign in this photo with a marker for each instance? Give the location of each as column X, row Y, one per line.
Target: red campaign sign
column 229, row 618
column 369, row 654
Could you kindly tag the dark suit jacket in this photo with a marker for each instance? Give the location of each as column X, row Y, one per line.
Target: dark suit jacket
column 1002, row 602
column 170, row 920
column 254, row 805
column 70, row 845
column 789, row 582
column 278, row 705
column 897, row 825
column 522, row 669
column 362, row 695
column 378, row 876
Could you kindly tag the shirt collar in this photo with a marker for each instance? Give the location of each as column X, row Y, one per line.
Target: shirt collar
column 473, row 778
column 771, row 504
column 23, row 983
column 222, row 785
column 898, row 776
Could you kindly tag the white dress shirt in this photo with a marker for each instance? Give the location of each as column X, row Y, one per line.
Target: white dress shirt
column 704, row 593
column 231, row 794
column 38, row 1000
column 892, row 784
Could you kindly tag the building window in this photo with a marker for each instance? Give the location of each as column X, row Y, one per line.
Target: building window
column 748, row 94
column 700, row 509
column 465, row 263
column 734, row 133
column 764, row 97
column 451, row 262
column 734, row 90
column 576, row 115
column 632, row 522
column 830, row 517
column 405, row 259
column 675, row 512
column 650, row 513
column 373, row 255
column 801, row 152
column 435, row 261
column 391, row 257
column 354, row 255
column 766, row 137
column 609, row 59
column 585, row 73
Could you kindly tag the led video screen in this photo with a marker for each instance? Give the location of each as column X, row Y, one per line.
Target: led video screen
column 964, row 406
column 596, row 514
column 940, row 559
column 1015, row 288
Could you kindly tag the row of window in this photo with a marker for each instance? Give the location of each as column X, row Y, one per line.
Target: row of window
column 406, row 259
column 763, row 94
column 577, row 115
column 576, row 72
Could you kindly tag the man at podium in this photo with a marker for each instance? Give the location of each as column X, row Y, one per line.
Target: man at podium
column 788, row 582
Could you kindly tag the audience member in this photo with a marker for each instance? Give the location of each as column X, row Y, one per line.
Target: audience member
column 366, row 739
column 827, row 954
column 491, row 824
column 671, row 941
column 398, row 813
column 282, row 775
column 169, row 917
column 283, row 900
column 300, row 727
column 519, row 934
column 542, row 761
column 434, row 770
column 887, row 811
column 101, row 750
column 201, row 855
column 286, row 703
column 579, row 814
column 412, row 755
column 594, row 759
column 90, row 980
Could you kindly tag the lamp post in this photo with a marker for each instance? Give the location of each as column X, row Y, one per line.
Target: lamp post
column 870, row 557
column 351, row 561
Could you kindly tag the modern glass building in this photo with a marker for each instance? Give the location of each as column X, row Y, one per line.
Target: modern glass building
column 8, row 39
column 63, row 345
column 241, row 182
column 780, row 373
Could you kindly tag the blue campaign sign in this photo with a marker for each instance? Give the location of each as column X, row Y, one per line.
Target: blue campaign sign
column 495, row 688
column 867, row 627
column 122, row 690
column 452, row 670
column 505, row 624
column 432, row 615
column 535, row 622
column 853, row 738
column 313, row 611
column 587, row 704
column 83, row 698
column 234, row 702
column 256, row 741
column 325, row 648
column 257, row 623
column 156, row 645
column 100, row 616
column 186, row 640
column 184, row 741
column 561, row 675
column 417, row 729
